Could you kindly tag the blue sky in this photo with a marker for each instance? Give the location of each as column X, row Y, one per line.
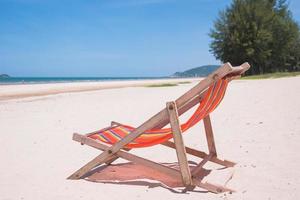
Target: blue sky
column 107, row 37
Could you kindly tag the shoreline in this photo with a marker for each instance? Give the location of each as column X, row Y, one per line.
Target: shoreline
column 17, row 91
column 56, row 80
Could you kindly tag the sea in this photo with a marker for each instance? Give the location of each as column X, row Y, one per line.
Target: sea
column 45, row 80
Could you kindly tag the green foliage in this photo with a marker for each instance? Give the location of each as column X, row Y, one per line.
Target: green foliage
column 272, row 75
column 261, row 32
column 184, row 82
column 162, row 85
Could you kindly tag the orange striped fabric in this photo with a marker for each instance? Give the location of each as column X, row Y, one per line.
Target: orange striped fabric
column 209, row 102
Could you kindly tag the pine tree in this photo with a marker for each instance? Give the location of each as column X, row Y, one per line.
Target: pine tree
column 261, row 32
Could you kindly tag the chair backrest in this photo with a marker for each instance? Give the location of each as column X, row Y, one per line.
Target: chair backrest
column 208, row 99
column 212, row 98
column 194, row 95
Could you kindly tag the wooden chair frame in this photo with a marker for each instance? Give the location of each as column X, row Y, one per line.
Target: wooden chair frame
column 170, row 114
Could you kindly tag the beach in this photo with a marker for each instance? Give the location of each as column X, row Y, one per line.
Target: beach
column 14, row 91
column 257, row 125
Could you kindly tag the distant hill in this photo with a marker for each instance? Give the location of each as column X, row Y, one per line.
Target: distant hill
column 197, row 71
column 4, row 76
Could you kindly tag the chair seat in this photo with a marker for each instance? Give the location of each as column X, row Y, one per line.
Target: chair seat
column 117, row 133
column 209, row 102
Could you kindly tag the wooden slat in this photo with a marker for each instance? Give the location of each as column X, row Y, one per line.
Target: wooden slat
column 101, row 130
column 212, row 187
column 201, row 154
column 188, row 150
column 115, row 123
column 239, row 70
column 199, row 167
column 178, row 140
column 209, row 136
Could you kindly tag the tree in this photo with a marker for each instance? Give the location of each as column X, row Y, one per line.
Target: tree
column 261, row 32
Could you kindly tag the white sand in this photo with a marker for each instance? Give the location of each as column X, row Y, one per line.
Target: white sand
column 257, row 125
column 28, row 90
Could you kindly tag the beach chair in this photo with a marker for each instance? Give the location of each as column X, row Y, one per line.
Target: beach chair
column 116, row 140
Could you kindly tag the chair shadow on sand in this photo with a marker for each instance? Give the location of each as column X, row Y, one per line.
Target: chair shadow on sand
column 134, row 174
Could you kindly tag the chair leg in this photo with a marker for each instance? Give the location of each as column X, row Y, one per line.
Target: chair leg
column 180, row 148
column 164, row 169
column 209, row 136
